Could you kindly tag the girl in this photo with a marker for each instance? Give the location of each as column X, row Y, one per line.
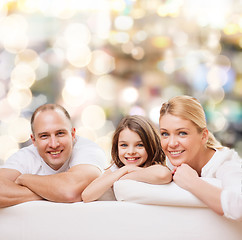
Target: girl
column 136, row 154
column 194, row 152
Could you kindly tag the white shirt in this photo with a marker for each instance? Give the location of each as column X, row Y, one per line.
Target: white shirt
column 226, row 165
column 28, row 161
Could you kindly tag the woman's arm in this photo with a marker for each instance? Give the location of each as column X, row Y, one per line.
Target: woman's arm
column 187, row 178
column 101, row 184
column 155, row 174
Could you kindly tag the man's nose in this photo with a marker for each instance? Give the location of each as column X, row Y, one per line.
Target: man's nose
column 54, row 142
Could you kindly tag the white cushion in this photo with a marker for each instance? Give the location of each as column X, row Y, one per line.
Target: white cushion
column 167, row 194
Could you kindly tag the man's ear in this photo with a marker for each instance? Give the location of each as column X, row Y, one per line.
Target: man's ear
column 32, row 138
column 73, row 133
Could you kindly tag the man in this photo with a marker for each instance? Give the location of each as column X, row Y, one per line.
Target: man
column 56, row 167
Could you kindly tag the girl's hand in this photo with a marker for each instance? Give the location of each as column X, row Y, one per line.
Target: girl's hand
column 131, row 168
column 184, row 176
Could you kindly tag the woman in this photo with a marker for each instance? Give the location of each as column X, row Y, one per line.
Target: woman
column 194, row 152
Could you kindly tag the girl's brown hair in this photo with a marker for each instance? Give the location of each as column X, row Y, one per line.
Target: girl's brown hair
column 149, row 136
column 189, row 108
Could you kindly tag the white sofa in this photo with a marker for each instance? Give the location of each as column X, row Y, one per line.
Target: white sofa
column 154, row 218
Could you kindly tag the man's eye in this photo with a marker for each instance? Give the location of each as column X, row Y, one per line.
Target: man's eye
column 43, row 136
column 60, row 133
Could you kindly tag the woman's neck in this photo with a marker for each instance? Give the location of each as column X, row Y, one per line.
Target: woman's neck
column 203, row 159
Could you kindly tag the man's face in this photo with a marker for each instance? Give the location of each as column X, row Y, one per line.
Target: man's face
column 53, row 137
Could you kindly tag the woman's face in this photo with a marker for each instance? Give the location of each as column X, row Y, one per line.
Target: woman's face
column 180, row 140
column 131, row 149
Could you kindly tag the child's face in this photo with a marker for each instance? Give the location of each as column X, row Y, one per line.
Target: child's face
column 131, row 149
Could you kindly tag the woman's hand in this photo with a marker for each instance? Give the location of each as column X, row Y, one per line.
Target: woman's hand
column 184, row 176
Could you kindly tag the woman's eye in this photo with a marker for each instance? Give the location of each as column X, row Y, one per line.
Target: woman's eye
column 182, row 133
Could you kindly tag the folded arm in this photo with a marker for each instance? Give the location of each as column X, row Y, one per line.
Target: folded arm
column 101, row 184
column 155, row 174
column 187, row 178
column 10, row 192
column 61, row 187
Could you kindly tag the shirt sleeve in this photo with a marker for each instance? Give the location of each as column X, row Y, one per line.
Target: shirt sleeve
column 87, row 152
column 232, row 204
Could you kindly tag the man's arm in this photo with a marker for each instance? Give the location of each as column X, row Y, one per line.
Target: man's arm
column 10, row 192
column 61, row 187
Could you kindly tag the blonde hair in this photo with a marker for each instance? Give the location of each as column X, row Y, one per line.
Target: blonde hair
column 189, row 108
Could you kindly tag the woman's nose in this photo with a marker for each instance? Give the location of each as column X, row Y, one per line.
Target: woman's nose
column 173, row 142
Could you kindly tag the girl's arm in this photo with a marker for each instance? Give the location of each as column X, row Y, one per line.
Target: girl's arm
column 101, row 184
column 187, row 178
column 155, row 174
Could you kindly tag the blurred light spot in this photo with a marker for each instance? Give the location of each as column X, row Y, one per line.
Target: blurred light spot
column 231, row 29
column 29, row 57
column 215, row 94
column 3, row 10
column 218, row 122
column 181, row 39
column 138, row 53
column 106, row 87
column 19, row 98
column 140, row 36
column 105, row 143
column 161, row 42
column 217, row 77
column 119, row 37
column 22, row 76
column 86, row 133
column 136, row 110
column 78, row 55
column 85, row 94
column 63, row 9
column 10, row 146
column 171, row 91
column 93, row 117
column 77, row 33
column 127, row 47
column 19, row 129
column 154, row 114
column 101, row 63
column 15, row 44
column 42, row 70
column 7, row 112
column 129, row 95
column 75, row 85
column 123, row 23
column 117, row 5
column 2, row 90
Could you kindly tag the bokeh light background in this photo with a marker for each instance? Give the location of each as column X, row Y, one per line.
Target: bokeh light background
column 103, row 59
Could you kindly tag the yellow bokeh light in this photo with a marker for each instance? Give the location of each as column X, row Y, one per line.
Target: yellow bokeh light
column 22, row 76
column 231, row 29
column 78, row 55
column 19, row 98
column 106, row 87
column 86, row 133
column 161, row 42
column 101, row 63
column 75, row 85
column 20, row 129
column 93, row 117
column 28, row 56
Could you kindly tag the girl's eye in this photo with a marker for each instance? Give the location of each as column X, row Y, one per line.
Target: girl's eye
column 140, row 145
column 164, row 134
column 123, row 145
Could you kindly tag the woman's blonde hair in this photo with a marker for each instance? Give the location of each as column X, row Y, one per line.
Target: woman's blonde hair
column 149, row 136
column 189, row 108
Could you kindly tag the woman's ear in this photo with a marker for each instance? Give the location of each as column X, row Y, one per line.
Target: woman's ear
column 205, row 135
